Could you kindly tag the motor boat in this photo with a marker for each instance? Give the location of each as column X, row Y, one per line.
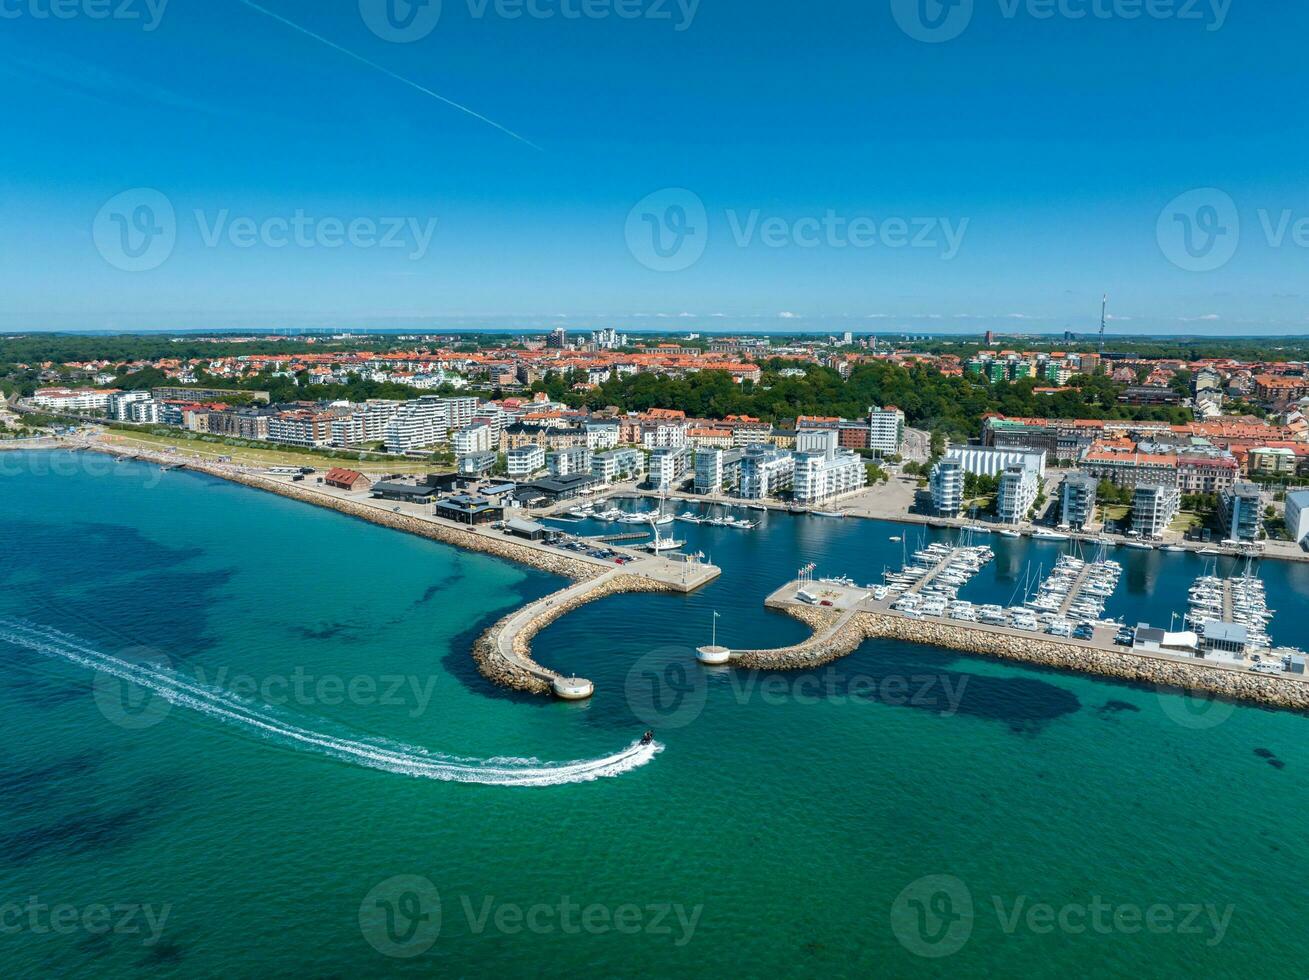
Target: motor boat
column 647, row 738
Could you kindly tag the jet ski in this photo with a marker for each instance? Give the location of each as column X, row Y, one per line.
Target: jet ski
column 647, row 738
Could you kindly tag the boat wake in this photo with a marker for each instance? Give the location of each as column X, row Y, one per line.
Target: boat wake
column 407, row 760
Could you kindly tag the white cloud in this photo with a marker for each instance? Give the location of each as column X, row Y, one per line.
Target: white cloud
column 787, row 315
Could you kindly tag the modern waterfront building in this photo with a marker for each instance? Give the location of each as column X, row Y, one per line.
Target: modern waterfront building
column 992, row 461
column 1297, row 515
column 1239, row 511
column 365, row 423
column 523, row 461
column 1018, row 490
column 618, row 465
column 765, row 472
column 119, row 404
column 472, row 438
column 708, row 470
column 668, row 467
column 426, row 421
column 822, row 471
column 1077, row 501
column 476, row 464
column 885, row 430
column 947, row 483
column 567, row 462
column 301, row 427
column 601, row 435
column 73, row 399
column 1154, row 505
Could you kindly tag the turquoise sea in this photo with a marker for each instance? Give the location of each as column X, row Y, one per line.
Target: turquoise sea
column 350, row 810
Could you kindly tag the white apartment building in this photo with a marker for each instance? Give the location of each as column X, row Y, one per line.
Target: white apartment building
column 667, row 467
column 708, row 470
column 73, row 399
column 992, row 461
column 364, row 423
column 472, row 439
column 1297, row 515
column 947, row 483
column 618, row 464
column 1153, row 508
column 822, row 476
column 524, row 461
column 765, row 472
column 427, row 421
column 567, row 462
column 119, row 404
column 1017, row 493
column 601, row 435
column 885, row 430
column 663, row 435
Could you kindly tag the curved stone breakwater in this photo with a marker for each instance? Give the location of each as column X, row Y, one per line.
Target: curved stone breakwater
column 503, row 653
column 837, row 635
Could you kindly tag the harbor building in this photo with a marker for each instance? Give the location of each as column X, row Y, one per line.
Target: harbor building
column 1154, row 505
column 618, row 465
column 668, row 467
column 566, row 462
column 1077, row 501
column 991, row 461
column 1297, row 515
column 822, row 470
column 766, row 472
column 947, row 485
column 1239, row 511
column 1017, row 493
column 524, row 461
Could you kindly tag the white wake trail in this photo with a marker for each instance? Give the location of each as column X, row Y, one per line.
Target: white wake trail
column 404, row 759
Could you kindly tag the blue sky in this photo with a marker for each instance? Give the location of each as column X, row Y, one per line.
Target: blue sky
column 1003, row 178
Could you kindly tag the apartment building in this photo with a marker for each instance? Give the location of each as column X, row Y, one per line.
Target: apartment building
column 765, row 472
column 301, row 427
column 1017, row 492
column 1154, row 505
column 667, row 467
column 1077, row 501
column 1240, row 511
column 524, row 461
column 567, row 462
column 885, row 430
column 618, row 465
column 473, row 438
column 947, row 486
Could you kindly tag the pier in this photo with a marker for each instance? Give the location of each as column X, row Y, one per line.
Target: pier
column 1075, row 590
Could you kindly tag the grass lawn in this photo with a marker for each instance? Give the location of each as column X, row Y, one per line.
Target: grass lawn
column 1115, row 512
column 1187, row 520
column 279, row 456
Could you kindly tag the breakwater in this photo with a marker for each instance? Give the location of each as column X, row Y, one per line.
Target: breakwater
column 503, row 653
column 836, row 635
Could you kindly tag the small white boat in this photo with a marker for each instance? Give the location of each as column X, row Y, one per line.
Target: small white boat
column 1005, row 532
column 827, row 513
column 896, row 537
column 755, row 507
column 664, row 544
column 1139, row 545
column 1171, row 547
column 1042, row 534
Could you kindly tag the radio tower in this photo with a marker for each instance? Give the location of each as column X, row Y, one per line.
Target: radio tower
column 1104, row 306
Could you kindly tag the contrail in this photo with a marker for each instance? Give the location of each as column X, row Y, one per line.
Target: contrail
column 386, row 71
